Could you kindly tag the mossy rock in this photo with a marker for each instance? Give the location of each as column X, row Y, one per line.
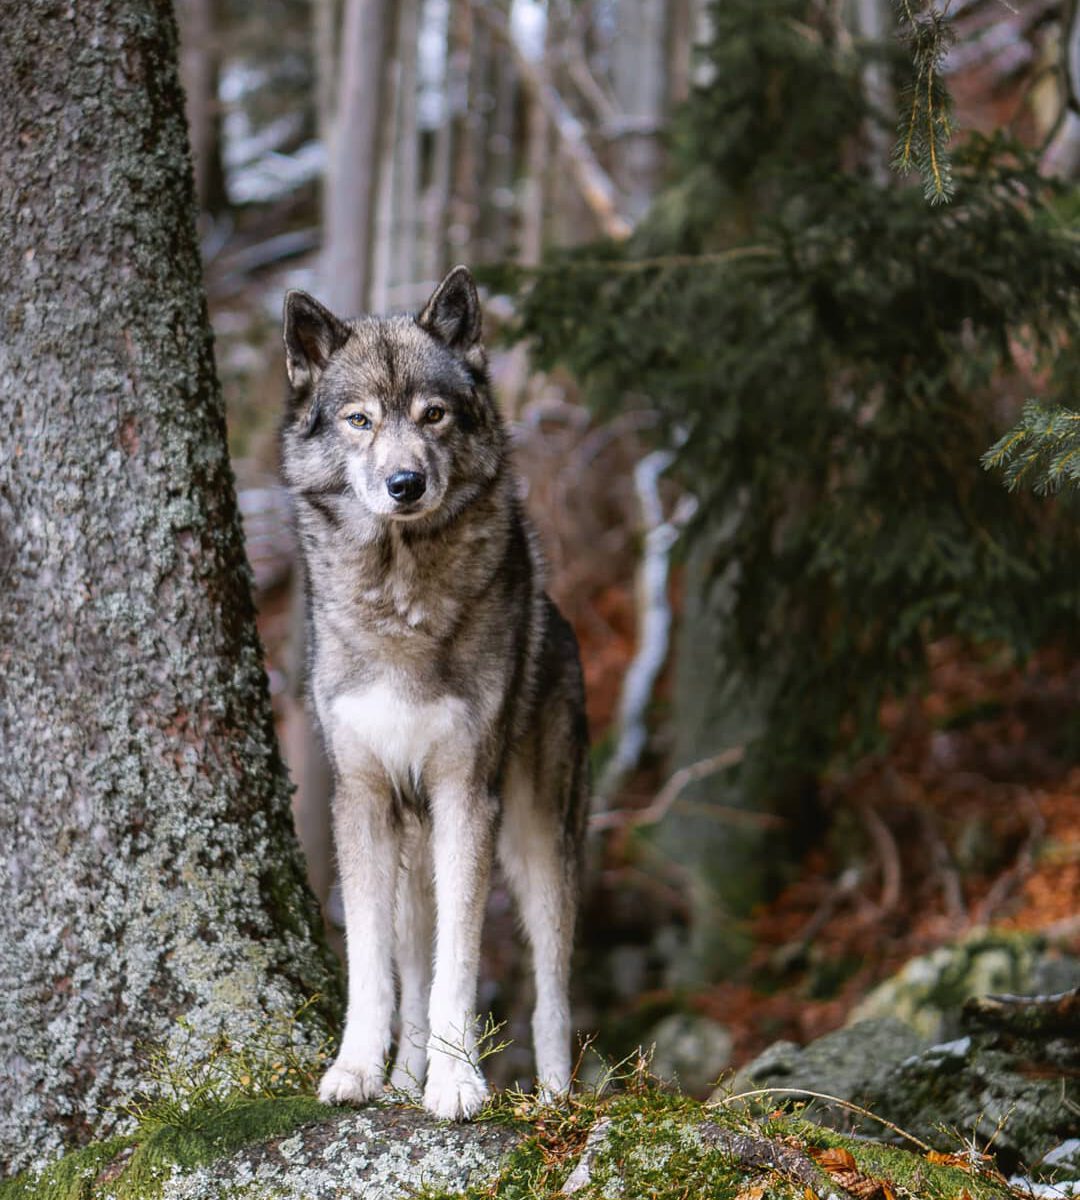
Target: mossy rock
column 290, row 1148
column 929, row 991
column 649, row 1142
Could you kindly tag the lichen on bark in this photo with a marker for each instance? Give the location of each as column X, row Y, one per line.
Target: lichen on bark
column 150, row 870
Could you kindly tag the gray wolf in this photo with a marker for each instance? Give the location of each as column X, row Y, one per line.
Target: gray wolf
column 446, row 684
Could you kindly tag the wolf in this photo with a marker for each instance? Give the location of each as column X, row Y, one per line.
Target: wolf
column 445, row 682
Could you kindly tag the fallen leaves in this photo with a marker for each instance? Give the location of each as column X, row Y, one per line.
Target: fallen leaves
column 840, row 1165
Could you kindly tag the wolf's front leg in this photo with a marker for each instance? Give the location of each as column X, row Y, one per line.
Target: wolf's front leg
column 462, row 844
column 367, row 850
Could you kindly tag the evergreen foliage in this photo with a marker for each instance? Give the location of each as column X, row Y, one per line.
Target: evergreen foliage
column 824, row 348
column 1042, row 451
column 926, row 115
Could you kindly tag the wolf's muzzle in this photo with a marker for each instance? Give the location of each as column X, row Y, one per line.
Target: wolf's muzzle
column 406, row 486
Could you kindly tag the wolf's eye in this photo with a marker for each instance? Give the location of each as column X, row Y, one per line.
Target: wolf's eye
column 434, row 414
column 358, row 421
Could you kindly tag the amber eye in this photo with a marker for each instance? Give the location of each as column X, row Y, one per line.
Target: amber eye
column 434, row 414
column 358, row 420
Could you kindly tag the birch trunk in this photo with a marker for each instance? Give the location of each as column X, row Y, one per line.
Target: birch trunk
column 150, row 868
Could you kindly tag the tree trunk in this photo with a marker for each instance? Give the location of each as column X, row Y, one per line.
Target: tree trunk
column 352, row 181
column 640, row 80
column 151, row 871
column 200, row 64
column 728, row 866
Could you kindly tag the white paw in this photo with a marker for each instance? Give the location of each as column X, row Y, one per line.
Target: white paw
column 455, row 1089
column 341, row 1085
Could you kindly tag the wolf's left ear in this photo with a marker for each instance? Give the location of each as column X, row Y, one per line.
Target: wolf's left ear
column 453, row 313
column 312, row 334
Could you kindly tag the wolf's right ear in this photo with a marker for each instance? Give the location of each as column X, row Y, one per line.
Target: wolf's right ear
column 312, row 334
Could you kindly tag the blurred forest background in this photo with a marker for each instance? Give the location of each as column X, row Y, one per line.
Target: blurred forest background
column 751, row 371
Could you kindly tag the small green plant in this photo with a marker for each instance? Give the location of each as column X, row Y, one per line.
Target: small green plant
column 275, row 1063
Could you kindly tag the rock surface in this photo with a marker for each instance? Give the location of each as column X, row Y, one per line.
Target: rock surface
column 1008, row 1083
column 373, row 1154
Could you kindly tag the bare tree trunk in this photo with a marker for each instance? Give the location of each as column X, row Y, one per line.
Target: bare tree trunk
column 151, row 871
column 463, row 166
column 437, row 193
column 873, row 22
column 591, row 180
column 407, row 192
column 386, row 182
column 1062, row 155
column 326, row 23
column 352, row 165
column 499, row 184
column 200, row 63
column 640, row 81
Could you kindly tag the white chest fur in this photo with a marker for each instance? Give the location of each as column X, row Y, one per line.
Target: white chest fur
column 385, row 723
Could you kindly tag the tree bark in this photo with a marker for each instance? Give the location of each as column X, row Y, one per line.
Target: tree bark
column 151, row 871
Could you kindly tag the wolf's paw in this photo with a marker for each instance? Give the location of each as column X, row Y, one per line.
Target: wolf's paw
column 340, row 1085
column 455, row 1089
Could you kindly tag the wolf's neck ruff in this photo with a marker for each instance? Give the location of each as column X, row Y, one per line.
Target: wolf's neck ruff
column 439, row 670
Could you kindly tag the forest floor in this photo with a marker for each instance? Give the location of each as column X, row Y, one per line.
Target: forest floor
column 969, row 818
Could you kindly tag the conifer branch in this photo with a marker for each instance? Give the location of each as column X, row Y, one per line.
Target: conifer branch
column 1043, row 449
column 927, row 125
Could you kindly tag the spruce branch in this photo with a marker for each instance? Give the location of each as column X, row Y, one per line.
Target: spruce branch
column 926, row 127
column 1041, row 451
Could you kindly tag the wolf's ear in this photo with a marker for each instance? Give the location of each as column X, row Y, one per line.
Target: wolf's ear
column 453, row 313
column 312, row 334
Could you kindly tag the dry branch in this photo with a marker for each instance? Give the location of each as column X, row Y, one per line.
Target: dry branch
column 1027, row 1016
column 592, row 180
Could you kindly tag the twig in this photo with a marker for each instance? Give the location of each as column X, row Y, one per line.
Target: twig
column 657, row 809
column 724, row 1101
column 794, row 950
column 1021, row 868
column 888, row 856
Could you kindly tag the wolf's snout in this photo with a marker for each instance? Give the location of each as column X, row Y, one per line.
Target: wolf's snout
column 406, row 486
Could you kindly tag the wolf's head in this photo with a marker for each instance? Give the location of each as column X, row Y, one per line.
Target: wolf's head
column 391, row 416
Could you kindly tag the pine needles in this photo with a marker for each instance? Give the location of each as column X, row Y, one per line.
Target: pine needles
column 926, row 123
column 1042, row 451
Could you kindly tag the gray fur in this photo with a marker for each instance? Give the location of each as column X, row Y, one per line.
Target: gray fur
column 445, row 681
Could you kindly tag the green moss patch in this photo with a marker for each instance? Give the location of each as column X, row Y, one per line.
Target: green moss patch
column 136, row 1168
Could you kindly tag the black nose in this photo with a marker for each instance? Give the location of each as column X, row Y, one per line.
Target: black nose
column 406, row 486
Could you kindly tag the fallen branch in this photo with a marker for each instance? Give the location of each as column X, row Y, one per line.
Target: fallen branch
column 750, row 1151
column 1026, row 1016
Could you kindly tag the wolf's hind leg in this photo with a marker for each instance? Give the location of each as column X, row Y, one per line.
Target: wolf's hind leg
column 541, row 867
column 367, row 849
column 414, row 927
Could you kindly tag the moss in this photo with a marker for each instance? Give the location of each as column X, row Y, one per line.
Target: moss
column 136, row 1168
column 653, row 1145
column 71, row 1177
column 906, row 1171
